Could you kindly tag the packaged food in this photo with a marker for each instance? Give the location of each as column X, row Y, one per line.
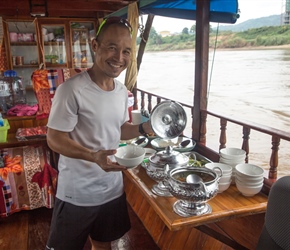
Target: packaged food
column 31, row 133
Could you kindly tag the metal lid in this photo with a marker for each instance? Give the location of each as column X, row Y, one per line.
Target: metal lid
column 168, row 119
column 170, row 157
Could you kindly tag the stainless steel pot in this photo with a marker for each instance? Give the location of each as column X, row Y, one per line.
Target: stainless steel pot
column 159, row 165
column 192, row 197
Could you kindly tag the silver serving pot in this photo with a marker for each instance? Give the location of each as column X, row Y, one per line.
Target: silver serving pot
column 192, row 196
column 161, row 162
column 159, row 165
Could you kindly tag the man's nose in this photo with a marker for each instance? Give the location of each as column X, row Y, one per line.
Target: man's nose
column 118, row 55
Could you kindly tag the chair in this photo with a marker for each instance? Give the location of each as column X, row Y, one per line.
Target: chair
column 276, row 231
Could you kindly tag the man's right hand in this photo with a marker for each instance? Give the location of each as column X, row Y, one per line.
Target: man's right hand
column 101, row 158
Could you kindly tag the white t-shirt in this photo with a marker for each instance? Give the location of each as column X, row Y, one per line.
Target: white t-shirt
column 93, row 118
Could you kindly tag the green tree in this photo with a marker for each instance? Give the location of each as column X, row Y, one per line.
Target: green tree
column 192, row 29
column 185, row 31
column 154, row 38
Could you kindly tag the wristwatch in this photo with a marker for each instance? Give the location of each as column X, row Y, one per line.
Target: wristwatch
column 141, row 130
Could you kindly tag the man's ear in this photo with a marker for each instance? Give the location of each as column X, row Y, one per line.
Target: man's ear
column 94, row 45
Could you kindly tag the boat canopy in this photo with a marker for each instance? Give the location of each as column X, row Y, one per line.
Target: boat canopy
column 221, row 11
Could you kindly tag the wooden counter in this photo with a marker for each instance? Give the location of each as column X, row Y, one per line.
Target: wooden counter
column 166, row 227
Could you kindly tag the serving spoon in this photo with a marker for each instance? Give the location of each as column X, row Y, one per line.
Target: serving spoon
column 193, row 178
column 184, row 143
column 139, row 141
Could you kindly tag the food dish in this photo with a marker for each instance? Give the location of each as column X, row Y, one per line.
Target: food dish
column 132, row 141
column 149, row 152
column 143, row 144
column 196, row 159
column 161, row 144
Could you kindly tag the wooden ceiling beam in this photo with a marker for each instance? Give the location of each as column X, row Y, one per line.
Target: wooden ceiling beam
column 64, row 8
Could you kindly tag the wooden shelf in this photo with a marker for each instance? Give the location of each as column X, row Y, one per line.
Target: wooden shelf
column 26, row 66
column 81, row 43
column 56, row 65
column 62, row 43
column 82, row 65
column 23, row 43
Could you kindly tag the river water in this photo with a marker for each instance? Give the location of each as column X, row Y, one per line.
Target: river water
column 252, row 85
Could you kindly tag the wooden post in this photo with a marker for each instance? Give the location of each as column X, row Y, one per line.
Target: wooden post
column 141, row 50
column 246, row 137
column 223, row 135
column 201, row 65
column 274, row 157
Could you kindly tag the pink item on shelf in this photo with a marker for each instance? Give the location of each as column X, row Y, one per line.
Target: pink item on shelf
column 23, row 110
column 13, row 36
column 20, row 37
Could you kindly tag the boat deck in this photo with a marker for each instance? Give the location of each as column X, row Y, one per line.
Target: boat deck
column 28, row 230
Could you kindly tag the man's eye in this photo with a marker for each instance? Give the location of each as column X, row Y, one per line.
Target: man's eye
column 127, row 52
column 112, row 48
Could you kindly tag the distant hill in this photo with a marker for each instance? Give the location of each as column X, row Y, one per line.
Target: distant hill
column 274, row 20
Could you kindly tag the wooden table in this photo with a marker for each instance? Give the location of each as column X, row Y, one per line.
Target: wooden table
column 232, row 213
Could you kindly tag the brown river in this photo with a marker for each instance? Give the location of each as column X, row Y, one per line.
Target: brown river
column 252, row 85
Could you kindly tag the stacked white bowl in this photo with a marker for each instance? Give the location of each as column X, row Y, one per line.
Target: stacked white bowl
column 232, row 157
column 249, row 178
column 226, row 174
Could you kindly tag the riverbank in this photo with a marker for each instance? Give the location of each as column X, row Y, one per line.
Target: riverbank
column 285, row 46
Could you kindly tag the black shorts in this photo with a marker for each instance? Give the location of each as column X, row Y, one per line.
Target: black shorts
column 71, row 225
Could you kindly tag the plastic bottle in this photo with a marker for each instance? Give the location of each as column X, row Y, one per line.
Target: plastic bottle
column 60, row 59
column 1, row 121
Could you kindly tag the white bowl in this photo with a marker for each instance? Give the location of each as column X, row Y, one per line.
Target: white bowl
column 249, row 170
column 227, row 169
column 223, row 186
column 249, row 191
column 225, row 178
column 249, row 183
column 232, row 163
column 250, row 179
column 130, row 155
column 233, row 153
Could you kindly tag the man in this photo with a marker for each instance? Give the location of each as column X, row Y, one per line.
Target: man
column 88, row 118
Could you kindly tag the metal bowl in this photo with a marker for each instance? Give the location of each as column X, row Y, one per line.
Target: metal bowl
column 192, row 196
column 159, row 165
column 168, row 119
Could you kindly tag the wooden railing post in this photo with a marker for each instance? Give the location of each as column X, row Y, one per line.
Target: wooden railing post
column 134, row 92
column 223, row 135
column 158, row 100
column 274, row 157
column 149, row 103
column 142, row 100
column 245, row 145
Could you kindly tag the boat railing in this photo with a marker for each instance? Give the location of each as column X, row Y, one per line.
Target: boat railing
column 148, row 100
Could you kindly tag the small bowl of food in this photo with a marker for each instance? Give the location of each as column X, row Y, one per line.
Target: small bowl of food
column 130, row 155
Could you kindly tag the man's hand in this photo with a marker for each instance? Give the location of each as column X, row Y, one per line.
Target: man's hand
column 102, row 159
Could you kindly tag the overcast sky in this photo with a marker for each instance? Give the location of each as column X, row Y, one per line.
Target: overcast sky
column 249, row 9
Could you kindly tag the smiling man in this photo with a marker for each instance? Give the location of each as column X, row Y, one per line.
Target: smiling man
column 88, row 118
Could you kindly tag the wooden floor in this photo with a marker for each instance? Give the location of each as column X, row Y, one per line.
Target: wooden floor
column 28, row 230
